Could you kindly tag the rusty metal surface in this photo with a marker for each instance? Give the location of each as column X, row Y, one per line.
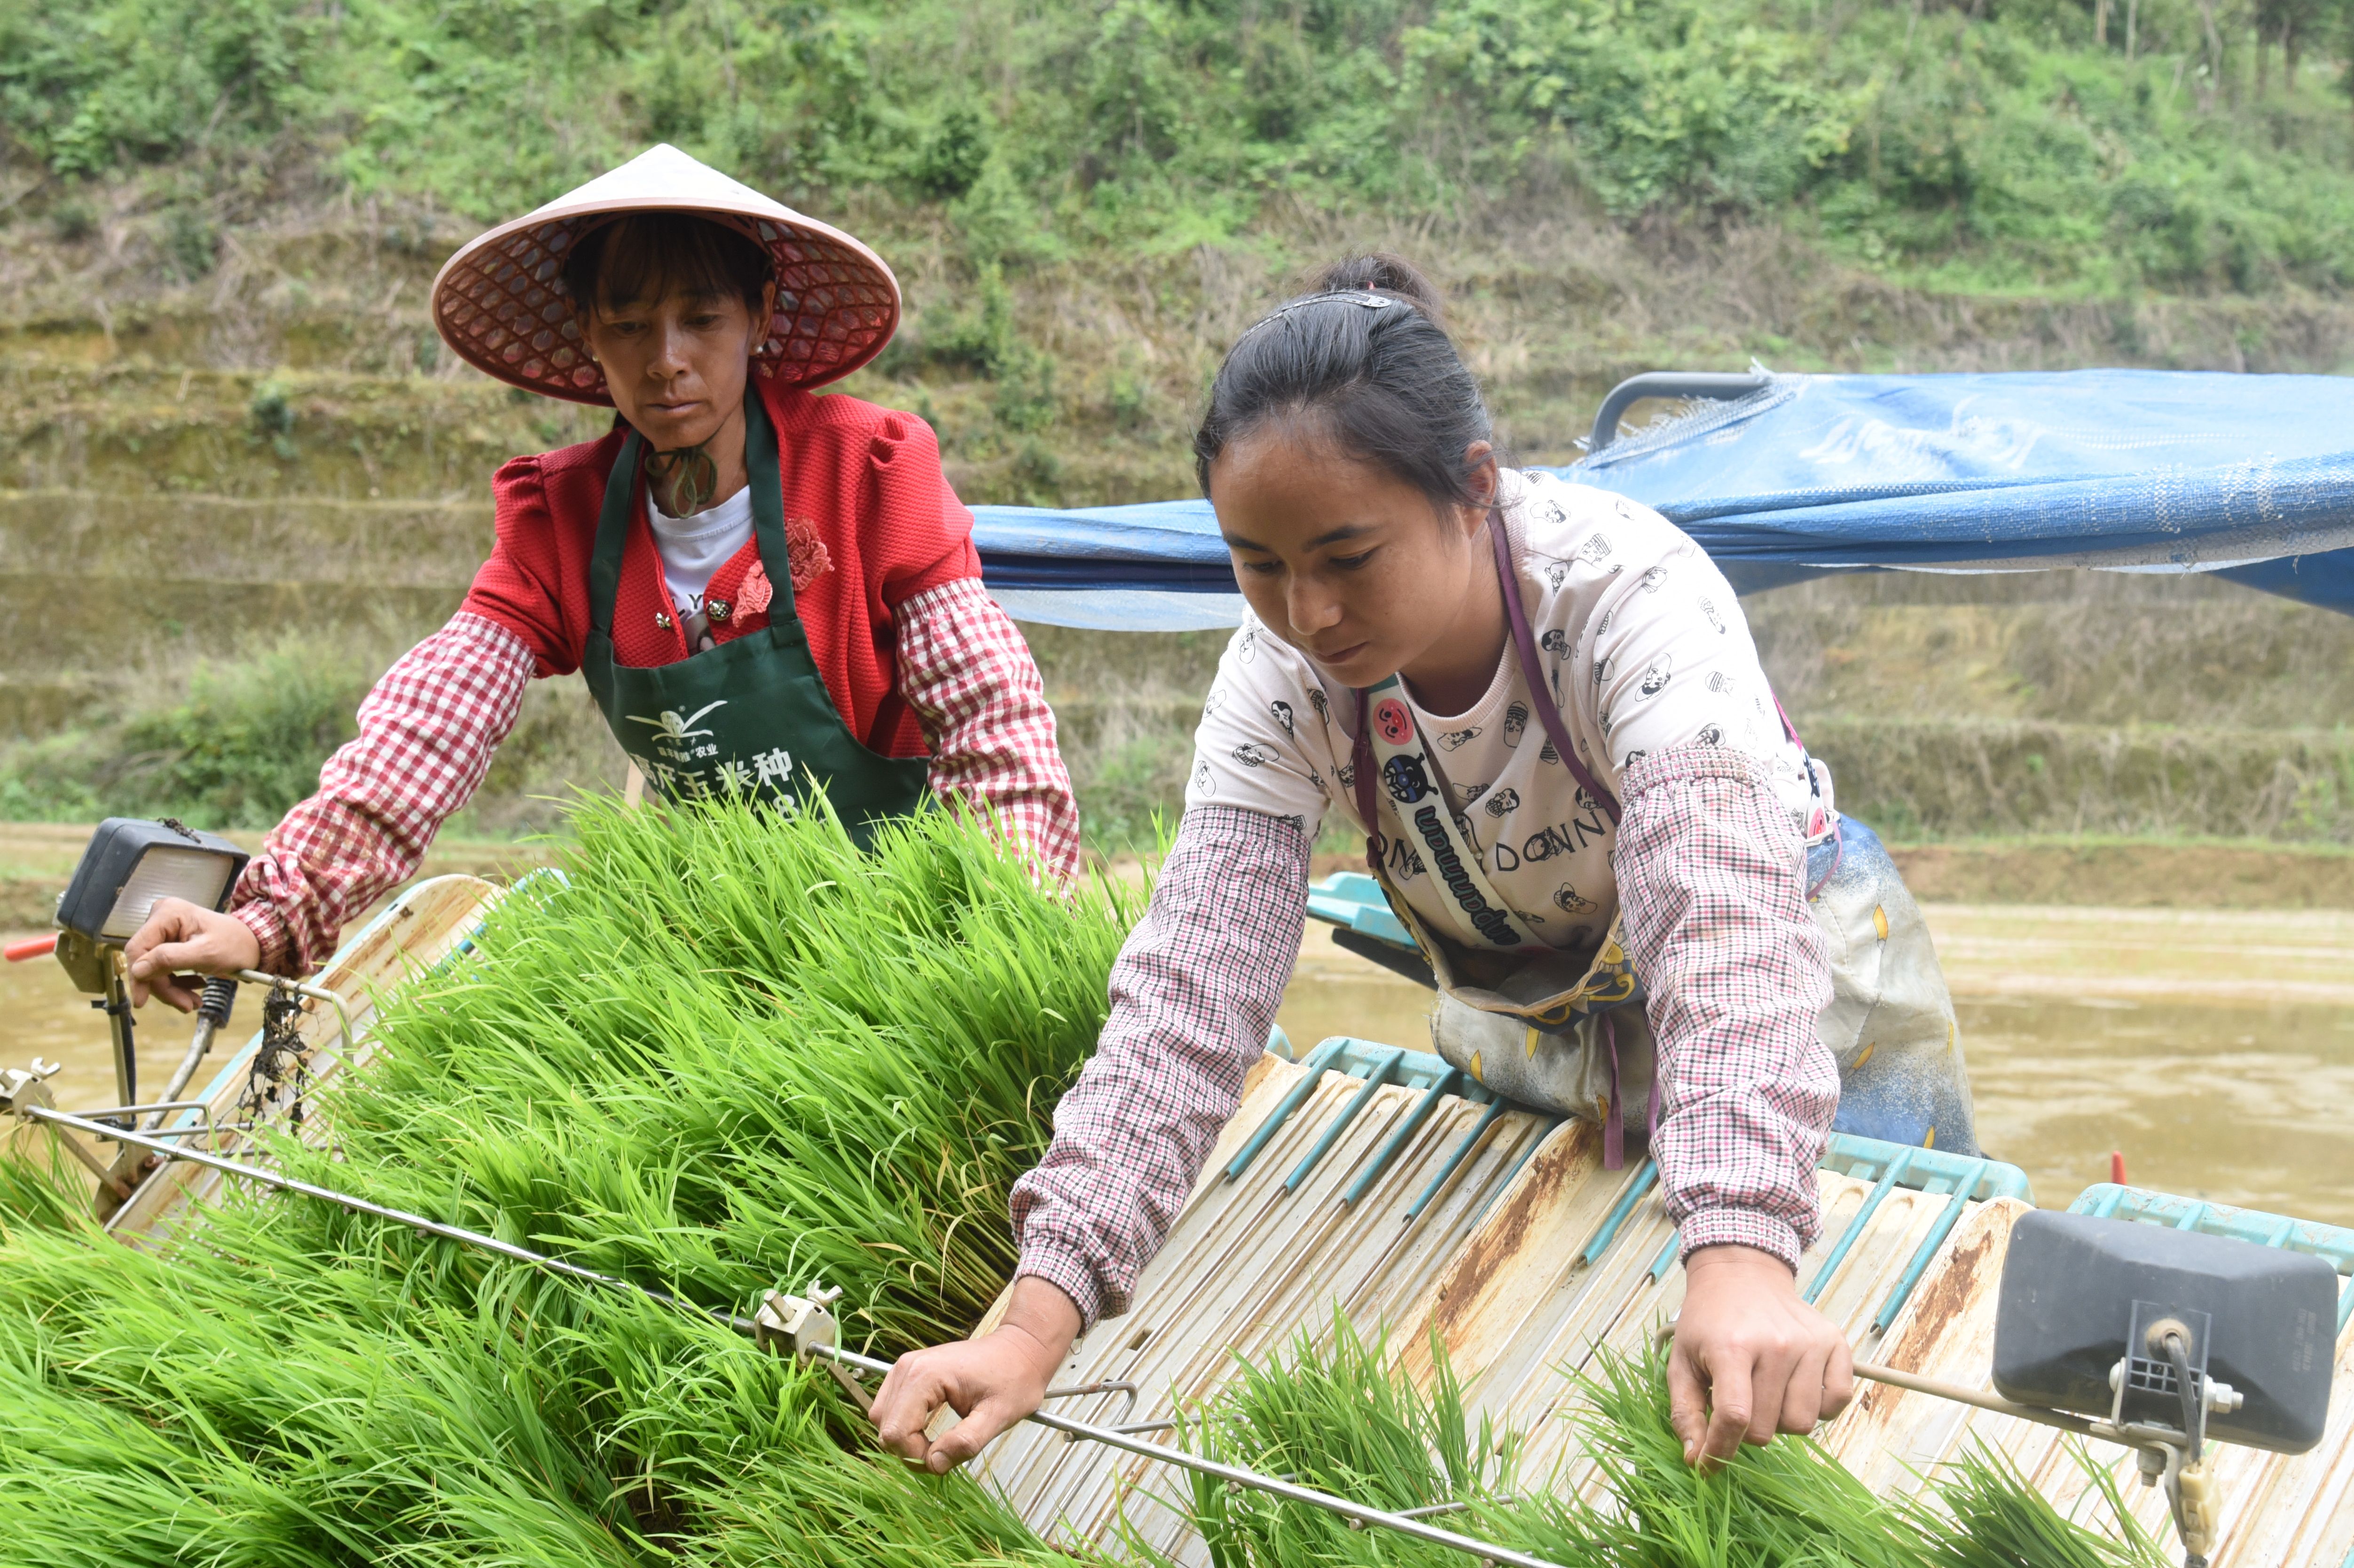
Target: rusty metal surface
column 415, row 932
column 1248, row 1268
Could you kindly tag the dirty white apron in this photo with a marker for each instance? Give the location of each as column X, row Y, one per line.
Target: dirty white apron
column 1564, row 1029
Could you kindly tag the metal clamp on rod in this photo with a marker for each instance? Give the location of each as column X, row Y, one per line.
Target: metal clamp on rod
column 802, row 1327
column 802, row 1324
column 26, row 1094
column 313, row 993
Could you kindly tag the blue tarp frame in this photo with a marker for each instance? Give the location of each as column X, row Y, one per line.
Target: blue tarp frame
column 2248, row 477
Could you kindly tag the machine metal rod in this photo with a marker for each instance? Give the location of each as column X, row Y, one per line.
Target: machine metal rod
column 361, row 1206
column 1984, row 1399
column 1455, row 1160
column 1318, row 1060
column 198, row 1048
column 157, row 1107
column 1687, row 386
column 1632, row 1193
column 123, row 1030
column 1290, row 1492
column 1111, row 1437
column 1855, row 1227
column 2132, row 1435
column 1374, row 1079
column 1126, row 1438
column 1446, row 1084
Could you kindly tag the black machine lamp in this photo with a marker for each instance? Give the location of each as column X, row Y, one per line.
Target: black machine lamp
column 2169, row 1340
column 129, row 867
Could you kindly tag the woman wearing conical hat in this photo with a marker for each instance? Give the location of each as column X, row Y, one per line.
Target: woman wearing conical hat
column 768, row 592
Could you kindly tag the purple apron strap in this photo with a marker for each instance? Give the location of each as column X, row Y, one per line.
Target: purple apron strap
column 1540, row 695
column 1614, row 1130
column 1614, row 1133
column 1788, row 728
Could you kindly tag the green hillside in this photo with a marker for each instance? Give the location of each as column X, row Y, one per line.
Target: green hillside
column 1998, row 144
column 229, row 435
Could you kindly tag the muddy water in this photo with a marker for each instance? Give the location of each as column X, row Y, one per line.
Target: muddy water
column 41, row 1014
column 2216, row 1052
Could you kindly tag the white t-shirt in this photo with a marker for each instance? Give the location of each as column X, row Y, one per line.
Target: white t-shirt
column 1646, row 648
column 692, row 548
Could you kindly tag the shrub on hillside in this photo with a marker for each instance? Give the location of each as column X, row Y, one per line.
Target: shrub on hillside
column 242, row 745
column 1987, row 145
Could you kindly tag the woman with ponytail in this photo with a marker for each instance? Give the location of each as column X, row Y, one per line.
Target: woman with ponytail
column 1541, row 706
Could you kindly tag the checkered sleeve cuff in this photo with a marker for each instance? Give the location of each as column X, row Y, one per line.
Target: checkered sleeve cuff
column 269, row 929
column 1743, row 1227
column 965, row 670
column 427, row 731
column 1060, row 1266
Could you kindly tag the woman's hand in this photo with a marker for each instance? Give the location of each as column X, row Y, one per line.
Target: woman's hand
column 1751, row 1359
column 179, row 936
column 993, row 1382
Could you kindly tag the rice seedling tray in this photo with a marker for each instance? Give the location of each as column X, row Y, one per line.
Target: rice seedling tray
column 1525, row 1260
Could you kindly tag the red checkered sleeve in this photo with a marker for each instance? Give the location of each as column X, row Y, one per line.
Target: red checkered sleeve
column 1194, row 994
column 1712, row 880
column 427, row 733
column 968, row 674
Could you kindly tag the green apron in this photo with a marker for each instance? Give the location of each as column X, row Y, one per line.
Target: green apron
column 750, row 717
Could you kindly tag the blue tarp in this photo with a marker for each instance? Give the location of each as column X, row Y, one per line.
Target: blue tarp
column 2251, row 477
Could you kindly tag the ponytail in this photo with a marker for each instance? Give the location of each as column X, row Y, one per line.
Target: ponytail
column 1364, row 357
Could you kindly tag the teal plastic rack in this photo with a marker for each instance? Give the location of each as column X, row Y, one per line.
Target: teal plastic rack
column 2333, row 1243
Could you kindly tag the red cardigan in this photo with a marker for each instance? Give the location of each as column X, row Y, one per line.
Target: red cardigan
column 863, row 483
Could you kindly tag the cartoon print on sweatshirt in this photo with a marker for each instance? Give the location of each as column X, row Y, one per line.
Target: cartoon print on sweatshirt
column 1545, row 838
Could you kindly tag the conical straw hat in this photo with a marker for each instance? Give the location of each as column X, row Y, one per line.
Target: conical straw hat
column 501, row 300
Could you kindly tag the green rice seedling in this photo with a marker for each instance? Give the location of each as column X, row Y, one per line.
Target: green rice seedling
column 1791, row 1502
column 1332, row 1416
column 724, row 1053
column 40, row 1182
column 1335, row 1415
column 1788, row 1503
column 1986, row 1515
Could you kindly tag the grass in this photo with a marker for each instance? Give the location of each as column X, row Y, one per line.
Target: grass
column 1998, row 147
column 1335, row 1415
column 232, row 741
column 724, row 1055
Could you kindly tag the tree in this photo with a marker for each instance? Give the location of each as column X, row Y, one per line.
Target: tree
column 2292, row 24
